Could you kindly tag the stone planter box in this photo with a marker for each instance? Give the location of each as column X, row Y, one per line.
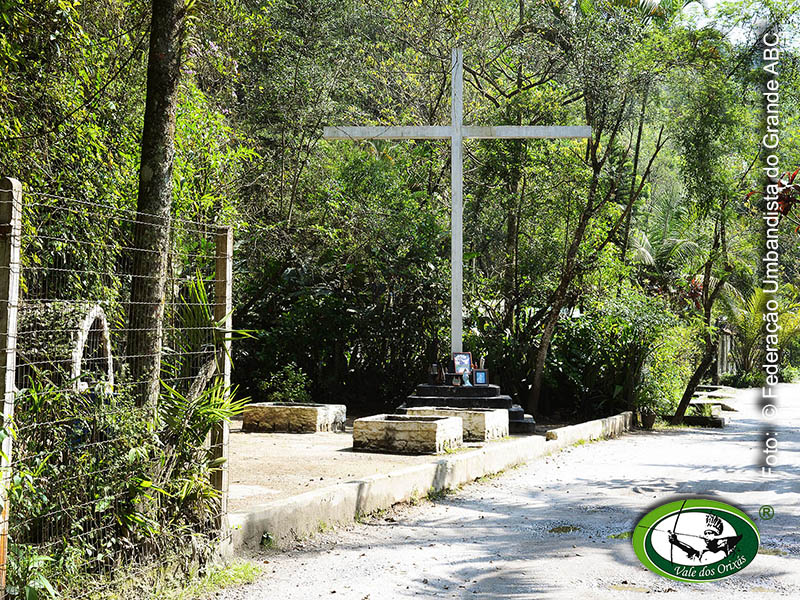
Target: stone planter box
column 288, row 417
column 407, row 434
column 479, row 424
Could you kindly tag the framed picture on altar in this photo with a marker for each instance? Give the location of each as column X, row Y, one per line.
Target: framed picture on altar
column 462, row 361
column 480, row 377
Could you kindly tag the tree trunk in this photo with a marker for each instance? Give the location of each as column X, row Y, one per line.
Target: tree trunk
column 694, row 381
column 709, row 297
column 559, row 297
column 626, row 236
column 510, row 292
column 154, row 202
column 541, row 356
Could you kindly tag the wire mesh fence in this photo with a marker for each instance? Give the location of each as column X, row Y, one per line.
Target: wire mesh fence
column 105, row 491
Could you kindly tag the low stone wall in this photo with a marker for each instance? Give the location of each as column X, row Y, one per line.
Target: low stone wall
column 591, row 430
column 276, row 417
column 479, row 424
column 407, row 434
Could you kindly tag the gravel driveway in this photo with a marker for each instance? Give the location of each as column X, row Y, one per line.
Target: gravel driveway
column 546, row 530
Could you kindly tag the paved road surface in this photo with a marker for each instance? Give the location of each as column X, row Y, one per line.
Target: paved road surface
column 500, row 538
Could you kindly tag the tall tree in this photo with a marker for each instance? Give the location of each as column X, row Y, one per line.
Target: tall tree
column 154, row 201
column 713, row 181
column 605, row 53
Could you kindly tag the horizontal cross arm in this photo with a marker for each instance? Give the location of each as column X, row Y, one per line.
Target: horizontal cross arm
column 411, row 132
column 528, row 131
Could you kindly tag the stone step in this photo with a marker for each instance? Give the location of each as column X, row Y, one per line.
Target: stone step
column 461, row 402
column 526, row 425
column 719, row 394
column 517, row 413
column 712, row 401
column 459, row 391
column 702, row 421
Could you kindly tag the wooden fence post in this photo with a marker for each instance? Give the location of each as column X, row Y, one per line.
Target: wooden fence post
column 10, row 233
column 223, row 305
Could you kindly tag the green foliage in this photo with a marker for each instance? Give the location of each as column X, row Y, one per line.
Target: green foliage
column 76, row 511
column 622, row 353
column 62, row 493
column 668, row 368
column 184, row 480
column 791, row 374
column 357, row 306
column 744, row 379
column 27, row 572
column 746, row 319
column 100, row 483
column 290, row 384
column 342, row 249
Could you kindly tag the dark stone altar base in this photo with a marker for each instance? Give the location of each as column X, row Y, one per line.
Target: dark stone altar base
column 486, row 396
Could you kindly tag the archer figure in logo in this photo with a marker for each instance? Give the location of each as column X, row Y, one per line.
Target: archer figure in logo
column 714, row 544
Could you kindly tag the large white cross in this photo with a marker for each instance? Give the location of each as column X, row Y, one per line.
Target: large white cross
column 456, row 132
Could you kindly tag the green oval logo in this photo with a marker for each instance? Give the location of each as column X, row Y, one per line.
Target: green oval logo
column 696, row 540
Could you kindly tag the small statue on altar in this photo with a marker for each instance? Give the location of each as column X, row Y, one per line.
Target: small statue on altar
column 465, row 379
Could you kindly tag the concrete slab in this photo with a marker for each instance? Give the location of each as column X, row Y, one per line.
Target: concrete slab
column 712, row 402
column 281, row 522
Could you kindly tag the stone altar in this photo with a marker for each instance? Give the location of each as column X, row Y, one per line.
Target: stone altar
column 485, row 396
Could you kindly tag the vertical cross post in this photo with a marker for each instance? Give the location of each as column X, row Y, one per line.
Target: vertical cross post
column 10, row 233
column 223, row 306
column 457, row 212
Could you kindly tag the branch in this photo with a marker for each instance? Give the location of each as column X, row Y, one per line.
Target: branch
column 634, row 197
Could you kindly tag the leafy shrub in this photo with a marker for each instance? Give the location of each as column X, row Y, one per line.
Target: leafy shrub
column 363, row 320
column 102, row 489
column 623, row 353
column 290, row 384
column 80, row 459
column 667, row 369
column 104, row 485
column 744, row 379
column 27, row 572
column 791, row 374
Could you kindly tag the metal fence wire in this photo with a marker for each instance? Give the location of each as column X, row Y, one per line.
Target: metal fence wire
column 105, row 493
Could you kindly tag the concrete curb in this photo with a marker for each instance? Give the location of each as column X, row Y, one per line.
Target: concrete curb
column 591, row 430
column 289, row 519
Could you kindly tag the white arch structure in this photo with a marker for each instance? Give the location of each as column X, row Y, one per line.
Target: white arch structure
column 96, row 315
